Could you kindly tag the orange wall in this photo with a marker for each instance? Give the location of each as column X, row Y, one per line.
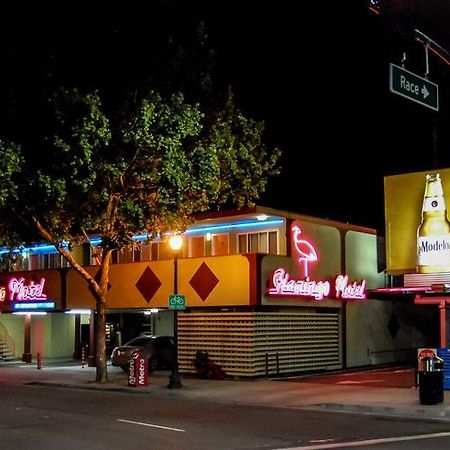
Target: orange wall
column 232, row 287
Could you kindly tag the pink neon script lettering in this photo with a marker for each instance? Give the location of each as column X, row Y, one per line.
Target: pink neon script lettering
column 352, row 291
column 18, row 290
column 282, row 285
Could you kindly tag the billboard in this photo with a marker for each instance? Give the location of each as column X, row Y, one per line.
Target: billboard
column 417, row 225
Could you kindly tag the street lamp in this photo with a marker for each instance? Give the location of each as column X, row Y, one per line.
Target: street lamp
column 175, row 242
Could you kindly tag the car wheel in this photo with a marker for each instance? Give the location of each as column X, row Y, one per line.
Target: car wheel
column 152, row 365
column 124, row 368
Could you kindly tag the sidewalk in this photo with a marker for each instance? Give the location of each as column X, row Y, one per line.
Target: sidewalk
column 393, row 402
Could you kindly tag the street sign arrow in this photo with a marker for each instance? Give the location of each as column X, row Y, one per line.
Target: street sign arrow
column 409, row 85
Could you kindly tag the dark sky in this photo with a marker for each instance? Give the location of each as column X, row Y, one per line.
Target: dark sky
column 315, row 72
column 318, row 75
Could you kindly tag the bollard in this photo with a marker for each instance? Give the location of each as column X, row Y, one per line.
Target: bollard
column 38, row 361
column 82, row 357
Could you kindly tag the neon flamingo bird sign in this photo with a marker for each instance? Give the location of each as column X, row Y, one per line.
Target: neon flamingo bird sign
column 305, row 250
column 282, row 283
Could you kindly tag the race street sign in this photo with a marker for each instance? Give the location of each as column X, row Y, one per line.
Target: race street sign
column 411, row 86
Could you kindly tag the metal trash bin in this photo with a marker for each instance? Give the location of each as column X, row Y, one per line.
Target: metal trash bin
column 431, row 380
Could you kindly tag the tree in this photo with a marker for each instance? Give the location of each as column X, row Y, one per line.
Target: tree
column 149, row 166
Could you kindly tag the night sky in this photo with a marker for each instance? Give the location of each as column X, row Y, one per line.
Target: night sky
column 315, row 72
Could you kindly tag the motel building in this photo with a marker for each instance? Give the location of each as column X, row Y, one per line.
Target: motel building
column 267, row 292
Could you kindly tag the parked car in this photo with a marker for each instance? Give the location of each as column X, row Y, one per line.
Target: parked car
column 159, row 350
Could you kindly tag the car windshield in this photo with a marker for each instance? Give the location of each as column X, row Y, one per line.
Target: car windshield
column 139, row 341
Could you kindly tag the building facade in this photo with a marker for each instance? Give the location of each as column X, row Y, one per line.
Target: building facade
column 267, row 292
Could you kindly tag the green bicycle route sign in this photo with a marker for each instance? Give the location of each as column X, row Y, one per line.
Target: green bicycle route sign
column 411, row 86
column 177, row 301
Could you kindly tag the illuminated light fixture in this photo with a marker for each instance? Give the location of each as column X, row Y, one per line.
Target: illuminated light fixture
column 78, row 311
column 262, row 217
column 30, row 313
column 208, row 236
column 175, row 242
column 147, row 313
column 401, row 290
column 151, row 311
column 33, row 305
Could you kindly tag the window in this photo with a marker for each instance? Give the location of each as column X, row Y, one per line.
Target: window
column 264, row 242
column 196, row 246
column 220, row 244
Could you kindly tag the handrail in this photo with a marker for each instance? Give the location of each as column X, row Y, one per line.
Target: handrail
column 8, row 339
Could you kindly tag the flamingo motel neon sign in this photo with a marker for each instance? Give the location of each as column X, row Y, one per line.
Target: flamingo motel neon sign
column 282, row 284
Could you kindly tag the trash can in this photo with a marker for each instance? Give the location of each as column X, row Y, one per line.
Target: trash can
column 431, row 380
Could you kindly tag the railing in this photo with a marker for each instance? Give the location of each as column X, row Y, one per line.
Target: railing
column 8, row 339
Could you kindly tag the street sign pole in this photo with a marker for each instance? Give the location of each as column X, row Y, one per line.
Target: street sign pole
column 409, row 85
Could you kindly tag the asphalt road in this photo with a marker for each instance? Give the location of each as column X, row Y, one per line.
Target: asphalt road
column 52, row 418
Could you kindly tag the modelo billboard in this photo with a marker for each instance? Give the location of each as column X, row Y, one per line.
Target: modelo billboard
column 417, row 224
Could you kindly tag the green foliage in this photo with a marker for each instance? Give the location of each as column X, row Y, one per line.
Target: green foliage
column 10, row 170
column 150, row 166
column 9, row 261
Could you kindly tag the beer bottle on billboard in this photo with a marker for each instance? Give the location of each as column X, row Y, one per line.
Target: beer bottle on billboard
column 433, row 234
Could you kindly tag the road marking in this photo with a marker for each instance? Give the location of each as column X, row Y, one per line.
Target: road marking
column 151, row 425
column 371, row 441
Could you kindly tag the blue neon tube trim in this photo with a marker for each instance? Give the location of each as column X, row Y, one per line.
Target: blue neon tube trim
column 48, row 249
column 231, row 226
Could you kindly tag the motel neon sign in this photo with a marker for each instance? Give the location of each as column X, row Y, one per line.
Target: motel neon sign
column 19, row 289
column 283, row 284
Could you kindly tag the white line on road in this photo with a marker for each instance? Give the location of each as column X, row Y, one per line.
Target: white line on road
column 371, row 441
column 151, row 425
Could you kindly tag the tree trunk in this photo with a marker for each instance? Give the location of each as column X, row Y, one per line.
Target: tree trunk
column 101, row 360
column 100, row 297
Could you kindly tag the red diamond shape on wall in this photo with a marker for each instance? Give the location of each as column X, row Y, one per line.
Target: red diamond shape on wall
column 148, row 284
column 203, row 281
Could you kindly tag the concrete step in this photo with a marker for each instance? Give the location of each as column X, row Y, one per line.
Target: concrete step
column 5, row 353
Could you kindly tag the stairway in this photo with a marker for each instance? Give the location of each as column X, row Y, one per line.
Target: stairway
column 5, row 352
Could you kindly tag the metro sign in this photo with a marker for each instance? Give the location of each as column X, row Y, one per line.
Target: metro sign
column 283, row 284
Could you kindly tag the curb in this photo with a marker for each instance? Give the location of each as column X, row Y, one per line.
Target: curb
column 389, row 411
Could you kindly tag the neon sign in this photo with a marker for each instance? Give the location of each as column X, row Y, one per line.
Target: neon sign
column 282, row 284
column 352, row 291
column 34, row 306
column 306, row 252
column 20, row 290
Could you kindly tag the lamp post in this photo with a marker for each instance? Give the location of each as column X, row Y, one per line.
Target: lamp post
column 175, row 242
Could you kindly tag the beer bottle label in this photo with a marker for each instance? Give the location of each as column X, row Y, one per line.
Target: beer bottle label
column 433, row 250
column 433, row 204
